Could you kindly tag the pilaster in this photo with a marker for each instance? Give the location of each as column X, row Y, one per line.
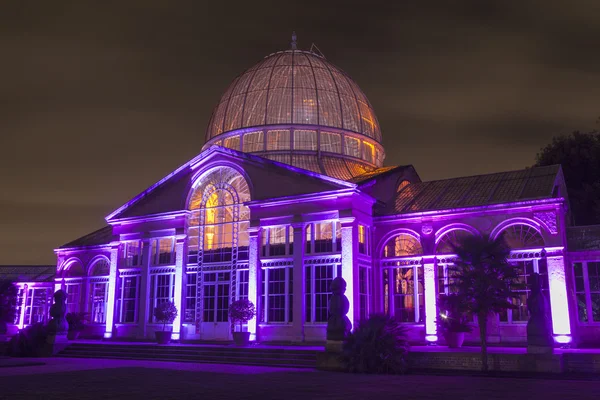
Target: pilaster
column 349, row 266
column 112, row 283
column 178, row 289
column 254, row 279
column 559, row 305
column 144, row 288
column 299, row 298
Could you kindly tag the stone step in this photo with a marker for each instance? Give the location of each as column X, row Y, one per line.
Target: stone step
column 200, row 354
column 292, row 364
column 259, row 353
column 213, row 357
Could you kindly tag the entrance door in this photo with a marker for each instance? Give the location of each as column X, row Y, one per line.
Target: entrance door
column 215, row 321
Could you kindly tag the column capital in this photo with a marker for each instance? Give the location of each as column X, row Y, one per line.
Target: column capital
column 347, row 221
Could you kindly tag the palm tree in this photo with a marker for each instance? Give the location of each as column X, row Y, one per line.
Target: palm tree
column 485, row 280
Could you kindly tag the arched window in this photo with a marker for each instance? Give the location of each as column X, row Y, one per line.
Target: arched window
column 403, row 284
column 517, row 237
column 522, row 236
column 402, row 245
column 450, row 240
column 402, row 185
column 98, row 282
column 217, row 234
column 73, row 275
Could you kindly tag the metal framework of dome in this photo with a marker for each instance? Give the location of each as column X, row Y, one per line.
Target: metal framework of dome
column 297, row 108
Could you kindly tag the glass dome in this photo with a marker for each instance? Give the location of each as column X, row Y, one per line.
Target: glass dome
column 297, row 108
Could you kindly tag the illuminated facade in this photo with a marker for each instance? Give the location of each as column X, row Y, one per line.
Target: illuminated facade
column 289, row 192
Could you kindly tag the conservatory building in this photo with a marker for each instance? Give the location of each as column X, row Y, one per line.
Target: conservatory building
column 290, row 191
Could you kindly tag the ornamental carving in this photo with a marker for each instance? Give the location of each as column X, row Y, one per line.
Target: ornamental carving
column 426, row 229
column 548, row 218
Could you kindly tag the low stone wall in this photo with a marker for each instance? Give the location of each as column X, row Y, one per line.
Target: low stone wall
column 470, row 361
column 431, row 360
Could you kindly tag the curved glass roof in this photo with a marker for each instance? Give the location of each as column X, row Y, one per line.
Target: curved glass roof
column 294, row 87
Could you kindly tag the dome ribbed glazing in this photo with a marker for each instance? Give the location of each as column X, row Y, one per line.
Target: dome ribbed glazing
column 290, row 88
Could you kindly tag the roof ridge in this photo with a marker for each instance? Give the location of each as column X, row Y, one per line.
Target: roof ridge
column 494, row 173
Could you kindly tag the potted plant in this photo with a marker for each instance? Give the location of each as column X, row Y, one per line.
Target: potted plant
column 241, row 311
column 165, row 313
column 76, row 324
column 452, row 322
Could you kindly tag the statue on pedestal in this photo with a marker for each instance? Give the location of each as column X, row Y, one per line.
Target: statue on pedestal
column 57, row 324
column 539, row 327
column 338, row 324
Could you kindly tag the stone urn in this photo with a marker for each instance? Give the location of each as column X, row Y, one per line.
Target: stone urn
column 241, row 338
column 163, row 337
column 455, row 340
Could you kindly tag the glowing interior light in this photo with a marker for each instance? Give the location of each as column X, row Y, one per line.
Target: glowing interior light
column 562, row 339
column 178, row 289
column 252, row 279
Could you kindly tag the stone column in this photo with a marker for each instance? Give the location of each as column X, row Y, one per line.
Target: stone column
column 299, row 305
column 144, row 308
column 178, row 289
column 254, row 279
column 561, row 325
column 350, row 266
column 112, row 284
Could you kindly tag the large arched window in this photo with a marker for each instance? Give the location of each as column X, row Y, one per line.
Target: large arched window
column 98, row 292
column 520, row 237
column 402, row 245
column 403, row 284
column 73, row 275
column 217, row 235
column 217, row 228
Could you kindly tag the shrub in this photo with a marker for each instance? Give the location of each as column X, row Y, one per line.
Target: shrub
column 76, row 321
column 452, row 316
column 241, row 311
column 29, row 342
column 377, row 345
column 165, row 313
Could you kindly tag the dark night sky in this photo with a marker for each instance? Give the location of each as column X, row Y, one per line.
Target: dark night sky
column 98, row 100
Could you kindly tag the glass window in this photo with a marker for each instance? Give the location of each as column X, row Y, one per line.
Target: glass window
column 369, row 152
column 254, row 141
column 36, row 306
column 133, row 253
column 526, row 269
column 364, row 292
column 587, row 290
column 163, row 251
column 190, row 298
column 277, row 241
column 352, row 146
column 161, row 291
column 402, row 245
column 277, row 292
column 331, row 142
column 278, row 140
column 305, row 140
column 127, row 302
column 99, row 298
column 216, row 215
column 408, row 301
column 232, row 142
column 73, row 296
column 363, row 247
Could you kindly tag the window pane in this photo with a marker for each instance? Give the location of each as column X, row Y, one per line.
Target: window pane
column 278, row 140
column 253, row 141
column 305, row 140
column 331, row 142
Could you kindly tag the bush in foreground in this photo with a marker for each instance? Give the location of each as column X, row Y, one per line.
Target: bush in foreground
column 377, row 345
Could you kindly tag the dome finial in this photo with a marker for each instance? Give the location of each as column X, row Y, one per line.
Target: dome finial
column 294, row 43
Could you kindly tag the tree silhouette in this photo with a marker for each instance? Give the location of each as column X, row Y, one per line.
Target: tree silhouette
column 484, row 280
column 579, row 156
